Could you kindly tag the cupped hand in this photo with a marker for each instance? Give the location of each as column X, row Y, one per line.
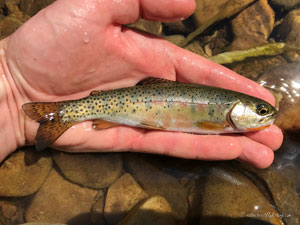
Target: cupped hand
column 75, row 46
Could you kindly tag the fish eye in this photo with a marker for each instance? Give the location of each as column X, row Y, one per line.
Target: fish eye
column 262, row 109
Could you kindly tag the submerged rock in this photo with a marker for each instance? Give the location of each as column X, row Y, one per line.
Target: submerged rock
column 156, row 182
column 97, row 212
column 230, row 198
column 284, row 80
column 155, row 210
column 289, row 32
column 122, row 196
column 23, row 172
column 95, row 170
column 59, row 201
column 252, row 26
column 8, row 209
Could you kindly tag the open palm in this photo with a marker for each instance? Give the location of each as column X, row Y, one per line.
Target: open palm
column 75, row 46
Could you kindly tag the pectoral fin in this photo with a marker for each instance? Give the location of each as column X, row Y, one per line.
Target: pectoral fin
column 94, row 92
column 102, row 124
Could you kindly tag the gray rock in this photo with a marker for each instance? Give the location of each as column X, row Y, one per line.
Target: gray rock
column 94, row 170
column 23, row 172
column 121, row 197
column 59, row 201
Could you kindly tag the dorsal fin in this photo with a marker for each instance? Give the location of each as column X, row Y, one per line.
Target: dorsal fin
column 154, row 80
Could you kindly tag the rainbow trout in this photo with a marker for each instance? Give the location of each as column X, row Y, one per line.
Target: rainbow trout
column 155, row 104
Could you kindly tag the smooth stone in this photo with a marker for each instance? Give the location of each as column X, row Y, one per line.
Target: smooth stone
column 230, row 198
column 8, row 209
column 147, row 26
column 288, row 4
column 289, row 32
column 23, row 172
column 252, row 26
column 31, row 7
column 121, row 197
column 60, row 201
column 97, row 212
column 253, row 67
column 206, row 9
column 156, row 182
column 155, row 210
column 284, row 81
column 94, row 170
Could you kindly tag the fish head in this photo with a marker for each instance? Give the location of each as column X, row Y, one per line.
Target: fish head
column 252, row 115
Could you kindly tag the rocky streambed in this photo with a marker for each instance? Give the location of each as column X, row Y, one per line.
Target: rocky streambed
column 53, row 187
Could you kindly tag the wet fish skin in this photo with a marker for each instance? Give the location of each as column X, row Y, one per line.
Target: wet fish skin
column 163, row 105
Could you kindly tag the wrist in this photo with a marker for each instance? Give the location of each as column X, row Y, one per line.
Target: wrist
column 11, row 117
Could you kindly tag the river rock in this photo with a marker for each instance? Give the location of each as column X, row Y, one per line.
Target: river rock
column 8, row 25
column 23, row 172
column 288, row 31
column 148, row 26
column 8, row 209
column 31, row 7
column 284, row 81
column 287, row 4
column 59, row 201
column 94, row 170
column 252, row 26
column 155, row 210
column 156, row 182
column 121, row 197
column 229, row 194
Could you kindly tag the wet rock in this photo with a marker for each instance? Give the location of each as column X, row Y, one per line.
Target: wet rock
column 206, row 9
column 59, row 201
column 156, row 182
column 121, row 197
column 175, row 39
column 288, row 4
column 8, row 25
column 148, row 26
column 178, row 27
column 8, row 209
column 155, row 210
column 284, row 80
column 195, row 47
column 288, row 31
column 97, row 212
column 228, row 194
column 31, row 7
column 252, row 26
column 253, row 67
column 20, row 177
column 95, row 170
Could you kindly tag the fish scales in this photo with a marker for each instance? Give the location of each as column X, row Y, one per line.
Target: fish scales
column 171, row 106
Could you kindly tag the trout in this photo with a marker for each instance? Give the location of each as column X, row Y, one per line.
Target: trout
column 154, row 104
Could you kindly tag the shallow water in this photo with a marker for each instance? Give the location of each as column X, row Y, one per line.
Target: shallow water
column 105, row 188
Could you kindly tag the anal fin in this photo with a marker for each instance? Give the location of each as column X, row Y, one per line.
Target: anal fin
column 212, row 126
column 102, row 124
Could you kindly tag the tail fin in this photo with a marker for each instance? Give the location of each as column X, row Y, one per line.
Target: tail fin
column 51, row 126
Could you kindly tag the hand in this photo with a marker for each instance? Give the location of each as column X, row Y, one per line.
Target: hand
column 75, row 46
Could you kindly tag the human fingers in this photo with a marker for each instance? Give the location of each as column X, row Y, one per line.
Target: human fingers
column 271, row 137
column 204, row 147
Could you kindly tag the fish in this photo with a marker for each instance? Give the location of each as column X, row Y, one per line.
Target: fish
column 158, row 104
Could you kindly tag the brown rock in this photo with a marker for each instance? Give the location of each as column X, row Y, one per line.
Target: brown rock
column 20, row 177
column 228, row 194
column 155, row 182
column 155, row 210
column 253, row 26
column 121, row 197
column 285, row 80
column 288, row 4
column 8, row 209
column 95, row 170
column 31, row 7
column 175, row 39
column 206, row 9
column 288, row 31
column 59, row 201
column 8, row 25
